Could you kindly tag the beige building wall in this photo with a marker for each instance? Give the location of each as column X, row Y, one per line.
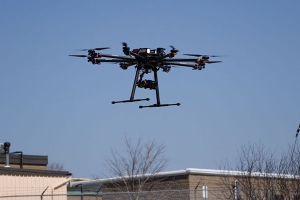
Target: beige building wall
column 16, row 187
column 215, row 186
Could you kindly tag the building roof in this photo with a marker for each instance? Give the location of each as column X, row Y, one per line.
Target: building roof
column 32, row 172
column 27, row 159
column 188, row 171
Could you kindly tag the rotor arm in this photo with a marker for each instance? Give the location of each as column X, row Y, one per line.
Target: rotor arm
column 182, row 64
column 180, row 60
column 163, row 56
column 125, row 65
column 112, row 60
column 137, row 55
column 116, row 56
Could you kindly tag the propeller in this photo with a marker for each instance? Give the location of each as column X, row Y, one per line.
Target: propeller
column 95, row 49
column 174, row 49
column 210, row 62
column 199, row 55
column 126, row 49
column 81, row 56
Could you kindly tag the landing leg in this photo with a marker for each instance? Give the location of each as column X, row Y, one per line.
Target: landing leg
column 157, row 89
column 133, row 90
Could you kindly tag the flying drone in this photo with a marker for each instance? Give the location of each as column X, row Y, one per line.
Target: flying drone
column 145, row 61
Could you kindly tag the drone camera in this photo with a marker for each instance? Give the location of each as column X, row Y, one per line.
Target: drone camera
column 148, row 84
column 152, row 85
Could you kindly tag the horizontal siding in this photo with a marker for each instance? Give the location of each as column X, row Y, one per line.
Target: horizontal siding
column 29, row 186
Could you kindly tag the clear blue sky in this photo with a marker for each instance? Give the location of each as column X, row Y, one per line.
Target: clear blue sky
column 56, row 105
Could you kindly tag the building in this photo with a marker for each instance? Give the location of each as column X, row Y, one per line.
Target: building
column 190, row 183
column 30, row 184
column 25, row 177
column 194, row 184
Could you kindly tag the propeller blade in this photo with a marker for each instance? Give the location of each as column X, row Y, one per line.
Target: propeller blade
column 101, row 48
column 174, row 49
column 211, row 62
column 216, row 56
column 81, row 49
column 200, row 55
column 95, row 49
column 196, row 55
column 82, row 56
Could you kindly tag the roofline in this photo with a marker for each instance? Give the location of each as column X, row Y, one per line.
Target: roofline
column 187, row 171
column 32, row 172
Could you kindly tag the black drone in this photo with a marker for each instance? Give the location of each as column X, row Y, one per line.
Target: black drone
column 147, row 60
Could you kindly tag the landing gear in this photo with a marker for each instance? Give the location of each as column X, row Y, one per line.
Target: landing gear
column 160, row 105
column 131, row 99
column 146, row 84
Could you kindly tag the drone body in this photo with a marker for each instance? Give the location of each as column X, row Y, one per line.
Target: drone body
column 147, row 60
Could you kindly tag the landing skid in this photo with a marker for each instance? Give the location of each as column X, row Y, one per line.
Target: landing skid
column 160, row 105
column 127, row 101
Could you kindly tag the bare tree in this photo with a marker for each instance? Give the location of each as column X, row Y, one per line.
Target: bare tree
column 55, row 166
column 259, row 175
column 135, row 168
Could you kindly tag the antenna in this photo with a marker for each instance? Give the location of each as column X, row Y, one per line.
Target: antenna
column 297, row 133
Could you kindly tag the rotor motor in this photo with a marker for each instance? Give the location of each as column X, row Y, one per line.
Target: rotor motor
column 166, row 68
column 126, row 49
column 123, row 66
